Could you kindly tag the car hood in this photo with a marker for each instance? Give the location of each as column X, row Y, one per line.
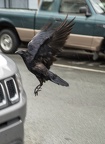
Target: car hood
column 7, row 67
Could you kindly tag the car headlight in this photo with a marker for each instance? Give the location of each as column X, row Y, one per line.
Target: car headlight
column 19, row 81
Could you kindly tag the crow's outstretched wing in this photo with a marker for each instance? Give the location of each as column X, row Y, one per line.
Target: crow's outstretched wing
column 52, row 46
column 60, row 36
column 39, row 39
column 49, row 37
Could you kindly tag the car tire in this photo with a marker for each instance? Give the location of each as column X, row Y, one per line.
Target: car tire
column 9, row 41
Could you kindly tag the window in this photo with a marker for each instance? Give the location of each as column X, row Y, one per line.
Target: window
column 18, row 4
column 3, row 3
column 71, row 6
column 47, row 5
column 14, row 4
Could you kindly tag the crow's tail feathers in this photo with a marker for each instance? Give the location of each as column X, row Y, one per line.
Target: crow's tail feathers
column 56, row 79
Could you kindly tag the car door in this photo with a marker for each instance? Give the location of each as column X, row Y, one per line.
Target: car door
column 82, row 32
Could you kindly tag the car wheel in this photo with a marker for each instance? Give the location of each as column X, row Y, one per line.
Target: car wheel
column 9, row 41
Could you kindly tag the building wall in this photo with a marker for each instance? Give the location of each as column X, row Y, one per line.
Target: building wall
column 18, row 3
column 31, row 4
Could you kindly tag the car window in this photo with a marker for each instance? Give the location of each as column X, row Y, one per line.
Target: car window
column 71, row 6
column 47, row 5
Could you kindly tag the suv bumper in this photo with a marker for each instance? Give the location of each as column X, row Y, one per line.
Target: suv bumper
column 12, row 122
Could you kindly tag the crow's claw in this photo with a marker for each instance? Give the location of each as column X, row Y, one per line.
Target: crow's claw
column 37, row 89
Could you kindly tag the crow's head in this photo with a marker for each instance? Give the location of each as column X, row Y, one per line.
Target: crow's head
column 21, row 53
column 24, row 54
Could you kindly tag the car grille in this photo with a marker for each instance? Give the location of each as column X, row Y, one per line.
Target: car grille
column 1, row 93
column 8, row 92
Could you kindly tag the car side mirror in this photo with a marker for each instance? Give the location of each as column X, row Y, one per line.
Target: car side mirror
column 84, row 10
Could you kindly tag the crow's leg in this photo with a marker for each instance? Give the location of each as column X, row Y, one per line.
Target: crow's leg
column 37, row 89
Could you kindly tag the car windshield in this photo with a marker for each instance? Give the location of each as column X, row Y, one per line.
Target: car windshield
column 98, row 6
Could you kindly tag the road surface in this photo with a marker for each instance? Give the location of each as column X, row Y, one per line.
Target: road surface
column 65, row 115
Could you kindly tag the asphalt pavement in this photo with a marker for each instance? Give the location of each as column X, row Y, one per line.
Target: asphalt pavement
column 65, row 115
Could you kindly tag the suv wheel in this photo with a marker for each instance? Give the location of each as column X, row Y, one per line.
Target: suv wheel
column 9, row 41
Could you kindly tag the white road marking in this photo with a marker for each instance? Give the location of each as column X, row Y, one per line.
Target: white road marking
column 79, row 68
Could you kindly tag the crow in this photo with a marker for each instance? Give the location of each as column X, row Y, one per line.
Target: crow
column 42, row 51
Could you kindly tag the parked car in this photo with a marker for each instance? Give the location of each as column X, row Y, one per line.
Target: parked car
column 12, row 103
column 88, row 33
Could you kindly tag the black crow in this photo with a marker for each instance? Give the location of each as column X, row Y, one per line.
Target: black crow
column 42, row 51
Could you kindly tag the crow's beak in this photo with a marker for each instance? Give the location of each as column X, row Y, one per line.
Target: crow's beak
column 19, row 52
column 16, row 52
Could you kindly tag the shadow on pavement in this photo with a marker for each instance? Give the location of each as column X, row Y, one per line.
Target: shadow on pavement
column 77, row 55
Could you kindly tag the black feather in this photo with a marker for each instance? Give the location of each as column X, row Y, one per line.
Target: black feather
column 56, row 79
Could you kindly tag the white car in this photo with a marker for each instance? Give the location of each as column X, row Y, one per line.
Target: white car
column 12, row 103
